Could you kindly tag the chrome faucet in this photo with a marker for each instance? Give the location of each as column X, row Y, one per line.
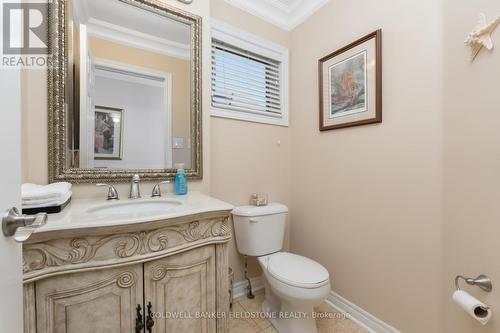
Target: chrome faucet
column 112, row 192
column 135, row 192
column 156, row 193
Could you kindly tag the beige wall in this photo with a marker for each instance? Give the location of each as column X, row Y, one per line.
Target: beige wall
column 367, row 200
column 245, row 156
column 34, row 126
column 471, row 243
column 412, row 202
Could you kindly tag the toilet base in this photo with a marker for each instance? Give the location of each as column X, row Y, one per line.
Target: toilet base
column 287, row 317
column 291, row 318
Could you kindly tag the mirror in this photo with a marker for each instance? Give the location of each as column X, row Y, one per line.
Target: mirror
column 130, row 75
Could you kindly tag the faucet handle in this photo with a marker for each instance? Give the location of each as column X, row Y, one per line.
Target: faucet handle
column 112, row 192
column 156, row 190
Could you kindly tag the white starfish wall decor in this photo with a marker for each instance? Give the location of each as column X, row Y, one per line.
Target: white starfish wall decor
column 481, row 36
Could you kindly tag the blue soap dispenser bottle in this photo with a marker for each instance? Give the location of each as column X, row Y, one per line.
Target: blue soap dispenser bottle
column 180, row 180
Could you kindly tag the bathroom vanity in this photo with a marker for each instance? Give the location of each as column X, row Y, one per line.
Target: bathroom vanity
column 124, row 101
column 97, row 266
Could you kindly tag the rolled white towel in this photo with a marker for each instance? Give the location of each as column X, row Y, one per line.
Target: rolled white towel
column 32, row 193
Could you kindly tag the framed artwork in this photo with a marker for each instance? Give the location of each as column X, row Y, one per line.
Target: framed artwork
column 350, row 84
column 108, row 133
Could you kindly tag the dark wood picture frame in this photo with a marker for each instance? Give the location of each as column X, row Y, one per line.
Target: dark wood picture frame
column 103, row 109
column 377, row 35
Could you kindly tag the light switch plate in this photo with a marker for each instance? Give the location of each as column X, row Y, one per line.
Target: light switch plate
column 178, row 143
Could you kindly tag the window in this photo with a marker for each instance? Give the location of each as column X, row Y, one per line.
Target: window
column 249, row 77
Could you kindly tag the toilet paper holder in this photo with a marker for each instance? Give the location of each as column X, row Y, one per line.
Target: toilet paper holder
column 482, row 281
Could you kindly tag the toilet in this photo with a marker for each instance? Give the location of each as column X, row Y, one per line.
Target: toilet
column 294, row 284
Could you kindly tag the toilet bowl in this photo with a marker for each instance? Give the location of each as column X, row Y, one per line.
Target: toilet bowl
column 294, row 284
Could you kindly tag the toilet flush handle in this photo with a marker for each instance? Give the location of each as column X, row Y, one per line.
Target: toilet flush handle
column 254, row 221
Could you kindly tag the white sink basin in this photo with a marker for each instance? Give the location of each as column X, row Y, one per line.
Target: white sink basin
column 135, row 207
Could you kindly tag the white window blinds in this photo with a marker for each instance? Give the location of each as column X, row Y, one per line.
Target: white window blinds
column 243, row 81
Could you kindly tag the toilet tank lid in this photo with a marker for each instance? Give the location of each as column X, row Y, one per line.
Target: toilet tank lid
column 270, row 209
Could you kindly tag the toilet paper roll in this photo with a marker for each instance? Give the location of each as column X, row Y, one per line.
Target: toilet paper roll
column 472, row 306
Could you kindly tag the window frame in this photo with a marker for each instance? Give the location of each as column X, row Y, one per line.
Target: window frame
column 252, row 43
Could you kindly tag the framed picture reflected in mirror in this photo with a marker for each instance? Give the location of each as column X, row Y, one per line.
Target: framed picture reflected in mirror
column 108, row 133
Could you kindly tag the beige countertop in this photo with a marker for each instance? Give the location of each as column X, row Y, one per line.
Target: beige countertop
column 80, row 213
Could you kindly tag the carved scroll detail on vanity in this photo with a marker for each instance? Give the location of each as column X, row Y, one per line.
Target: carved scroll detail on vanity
column 68, row 254
column 126, row 280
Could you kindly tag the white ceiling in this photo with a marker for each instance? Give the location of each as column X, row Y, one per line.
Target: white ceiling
column 122, row 23
column 286, row 14
column 127, row 16
column 288, row 2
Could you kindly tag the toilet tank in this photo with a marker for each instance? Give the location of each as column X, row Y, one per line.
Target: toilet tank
column 259, row 230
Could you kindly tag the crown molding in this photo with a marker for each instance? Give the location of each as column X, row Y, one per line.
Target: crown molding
column 133, row 38
column 284, row 16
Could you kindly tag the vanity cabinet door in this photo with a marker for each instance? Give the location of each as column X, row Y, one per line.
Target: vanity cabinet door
column 181, row 288
column 89, row 302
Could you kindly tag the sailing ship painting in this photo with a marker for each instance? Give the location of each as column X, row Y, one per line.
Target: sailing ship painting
column 348, row 86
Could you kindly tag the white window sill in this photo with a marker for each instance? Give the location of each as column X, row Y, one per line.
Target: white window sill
column 249, row 117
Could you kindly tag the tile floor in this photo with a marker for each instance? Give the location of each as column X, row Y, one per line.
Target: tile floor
column 333, row 322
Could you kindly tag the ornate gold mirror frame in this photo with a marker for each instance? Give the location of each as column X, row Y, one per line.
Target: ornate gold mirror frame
column 58, row 108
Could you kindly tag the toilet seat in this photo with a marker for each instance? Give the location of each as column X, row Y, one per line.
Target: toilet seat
column 298, row 271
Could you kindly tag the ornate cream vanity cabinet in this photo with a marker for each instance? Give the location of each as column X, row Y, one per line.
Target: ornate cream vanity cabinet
column 91, row 267
column 124, row 99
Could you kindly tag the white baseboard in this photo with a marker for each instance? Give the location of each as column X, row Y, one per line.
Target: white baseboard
column 358, row 315
column 240, row 287
column 355, row 313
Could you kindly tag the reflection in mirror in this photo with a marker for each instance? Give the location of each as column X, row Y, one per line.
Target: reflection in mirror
column 128, row 87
